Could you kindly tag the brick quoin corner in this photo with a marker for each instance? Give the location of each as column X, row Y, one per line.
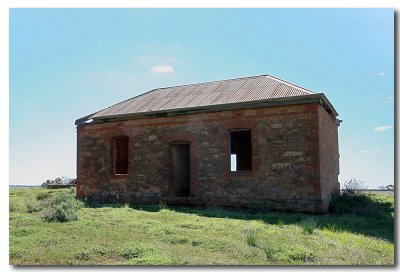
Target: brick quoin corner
column 294, row 157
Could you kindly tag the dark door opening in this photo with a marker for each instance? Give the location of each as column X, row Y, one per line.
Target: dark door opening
column 120, row 154
column 179, row 164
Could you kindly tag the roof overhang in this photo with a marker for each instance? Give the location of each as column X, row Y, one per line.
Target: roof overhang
column 294, row 100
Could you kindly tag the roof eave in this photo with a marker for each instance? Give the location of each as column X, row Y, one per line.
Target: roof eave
column 328, row 104
column 304, row 99
column 83, row 119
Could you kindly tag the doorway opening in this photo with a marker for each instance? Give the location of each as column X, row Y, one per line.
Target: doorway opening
column 120, row 156
column 179, row 165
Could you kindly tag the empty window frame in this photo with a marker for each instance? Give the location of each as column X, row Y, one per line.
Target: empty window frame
column 120, row 155
column 240, row 150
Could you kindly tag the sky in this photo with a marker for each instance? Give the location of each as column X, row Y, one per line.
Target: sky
column 67, row 63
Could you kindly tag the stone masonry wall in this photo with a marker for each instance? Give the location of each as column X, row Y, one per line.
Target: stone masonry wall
column 285, row 147
column 329, row 157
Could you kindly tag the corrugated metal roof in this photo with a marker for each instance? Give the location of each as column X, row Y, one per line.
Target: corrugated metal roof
column 205, row 94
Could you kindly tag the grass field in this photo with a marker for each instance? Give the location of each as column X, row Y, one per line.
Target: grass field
column 162, row 235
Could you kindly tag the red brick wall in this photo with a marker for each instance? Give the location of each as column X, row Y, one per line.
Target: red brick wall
column 285, row 148
column 329, row 157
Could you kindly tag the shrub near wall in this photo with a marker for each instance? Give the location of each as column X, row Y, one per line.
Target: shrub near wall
column 61, row 207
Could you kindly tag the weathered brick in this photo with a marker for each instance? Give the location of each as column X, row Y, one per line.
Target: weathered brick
column 292, row 153
column 294, row 167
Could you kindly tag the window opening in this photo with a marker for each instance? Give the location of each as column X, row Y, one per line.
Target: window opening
column 120, row 154
column 240, row 150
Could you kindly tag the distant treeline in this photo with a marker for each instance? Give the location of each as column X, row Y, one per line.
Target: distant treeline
column 25, row 186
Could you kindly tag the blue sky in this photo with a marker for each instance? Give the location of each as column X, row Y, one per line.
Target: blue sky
column 67, row 63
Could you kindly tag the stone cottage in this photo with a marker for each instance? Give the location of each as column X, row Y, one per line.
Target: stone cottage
column 239, row 142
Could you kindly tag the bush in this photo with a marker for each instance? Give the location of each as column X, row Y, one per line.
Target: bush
column 289, row 253
column 270, row 252
column 280, row 223
column 100, row 250
column 16, row 253
column 353, row 200
column 350, row 203
column 361, row 204
column 62, row 207
column 130, row 252
column 251, row 238
column 21, row 231
column 82, row 255
column 42, row 196
column 353, row 187
column 301, row 254
column 309, row 225
column 175, row 239
column 12, row 206
column 34, row 206
column 163, row 205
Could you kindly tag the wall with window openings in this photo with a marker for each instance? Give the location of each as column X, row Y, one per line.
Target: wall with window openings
column 267, row 156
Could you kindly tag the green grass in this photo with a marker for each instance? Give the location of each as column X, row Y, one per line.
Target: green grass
column 159, row 235
column 309, row 225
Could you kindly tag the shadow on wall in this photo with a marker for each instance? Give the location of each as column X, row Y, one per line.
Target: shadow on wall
column 364, row 214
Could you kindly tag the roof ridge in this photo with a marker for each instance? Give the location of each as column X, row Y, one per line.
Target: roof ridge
column 213, row 81
column 190, row 84
column 257, row 82
column 293, row 85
